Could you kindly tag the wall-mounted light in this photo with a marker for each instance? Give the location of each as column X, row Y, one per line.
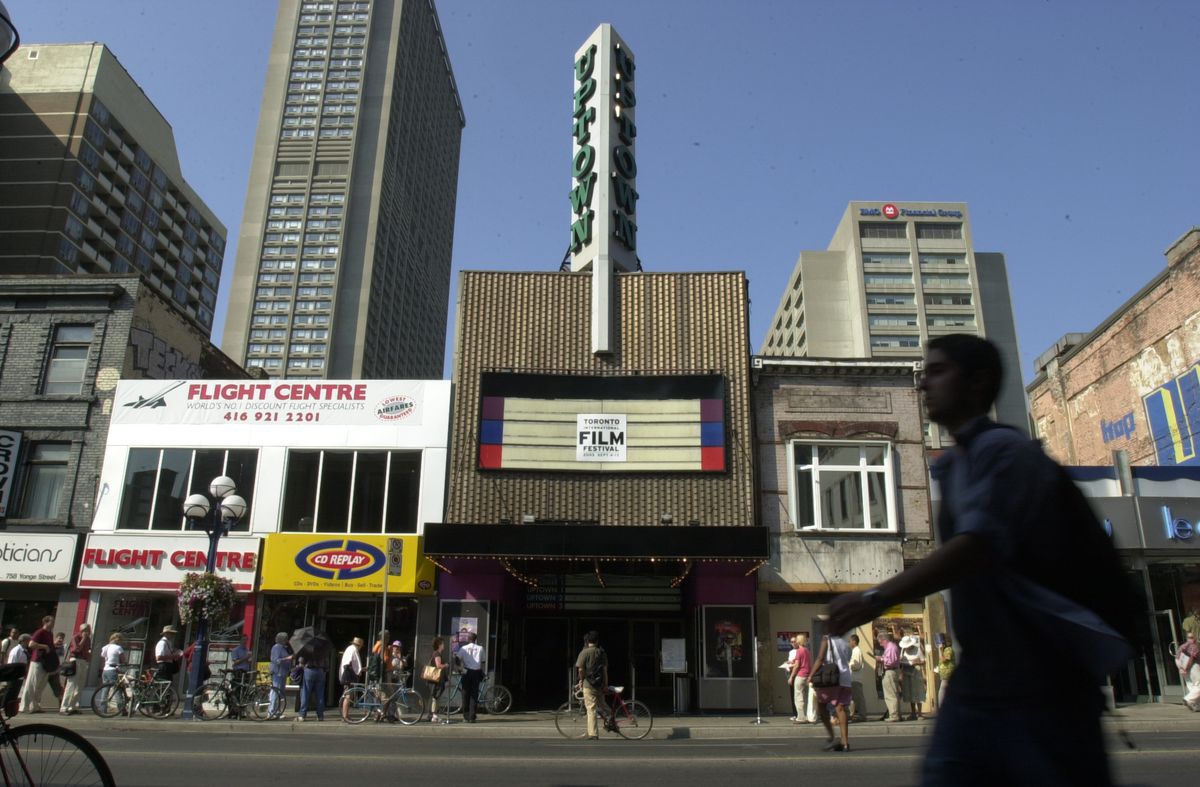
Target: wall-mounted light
column 666, row 519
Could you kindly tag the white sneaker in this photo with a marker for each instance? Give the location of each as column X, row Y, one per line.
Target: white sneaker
column 433, row 719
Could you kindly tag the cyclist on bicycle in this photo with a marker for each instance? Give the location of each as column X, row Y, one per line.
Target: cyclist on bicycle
column 592, row 668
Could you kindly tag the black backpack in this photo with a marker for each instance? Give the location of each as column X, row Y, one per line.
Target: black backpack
column 595, row 677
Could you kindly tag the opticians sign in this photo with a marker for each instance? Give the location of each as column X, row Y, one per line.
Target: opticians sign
column 146, row 562
column 284, row 404
column 32, row 557
column 345, row 563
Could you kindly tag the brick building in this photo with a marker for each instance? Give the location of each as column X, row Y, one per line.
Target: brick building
column 603, row 490
column 65, row 341
column 1133, row 383
column 844, row 493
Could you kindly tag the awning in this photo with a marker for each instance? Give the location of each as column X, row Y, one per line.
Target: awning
column 632, row 542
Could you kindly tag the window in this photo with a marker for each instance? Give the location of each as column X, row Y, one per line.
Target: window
column 351, row 492
column 842, row 486
column 875, row 229
column 888, row 279
column 940, row 231
column 881, row 258
column 892, row 320
column 946, row 280
column 943, row 259
column 68, row 359
column 890, row 299
column 948, row 299
column 157, row 480
column 951, row 321
column 45, row 478
column 882, row 342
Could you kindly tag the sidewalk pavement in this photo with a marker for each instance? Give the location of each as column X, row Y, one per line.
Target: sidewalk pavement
column 1133, row 719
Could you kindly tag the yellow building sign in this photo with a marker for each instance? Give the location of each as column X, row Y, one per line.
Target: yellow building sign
column 345, row 563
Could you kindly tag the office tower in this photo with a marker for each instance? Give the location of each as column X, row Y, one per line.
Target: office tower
column 90, row 180
column 343, row 259
column 894, row 276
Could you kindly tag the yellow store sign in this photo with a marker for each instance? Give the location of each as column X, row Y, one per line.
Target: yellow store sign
column 345, row 563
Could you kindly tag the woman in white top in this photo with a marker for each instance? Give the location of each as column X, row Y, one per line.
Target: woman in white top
column 111, row 655
column 836, row 650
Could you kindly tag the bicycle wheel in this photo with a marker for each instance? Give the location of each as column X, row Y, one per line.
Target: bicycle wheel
column 496, row 699
column 109, row 700
column 407, row 706
column 454, row 701
column 262, row 700
column 571, row 720
column 37, row 754
column 633, row 720
column 359, row 703
column 210, row 702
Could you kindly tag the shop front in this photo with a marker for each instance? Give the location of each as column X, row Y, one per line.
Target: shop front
column 346, row 586
column 35, row 580
column 129, row 583
column 674, row 606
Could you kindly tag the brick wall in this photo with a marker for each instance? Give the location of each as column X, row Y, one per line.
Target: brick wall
column 1089, row 401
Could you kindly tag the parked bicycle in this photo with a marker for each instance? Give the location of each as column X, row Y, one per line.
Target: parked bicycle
column 493, row 698
column 228, row 696
column 35, row 755
column 628, row 718
column 133, row 692
column 362, row 701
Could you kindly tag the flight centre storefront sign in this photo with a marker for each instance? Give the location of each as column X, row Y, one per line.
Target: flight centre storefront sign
column 345, row 563
column 289, row 404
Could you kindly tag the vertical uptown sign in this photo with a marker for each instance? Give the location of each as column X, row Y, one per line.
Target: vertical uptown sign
column 604, row 171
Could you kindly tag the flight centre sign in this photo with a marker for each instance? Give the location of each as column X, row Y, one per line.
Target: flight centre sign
column 604, row 162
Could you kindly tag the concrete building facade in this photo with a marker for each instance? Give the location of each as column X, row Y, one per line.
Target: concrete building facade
column 894, row 276
column 1133, row 383
column 343, row 259
column 90, row 180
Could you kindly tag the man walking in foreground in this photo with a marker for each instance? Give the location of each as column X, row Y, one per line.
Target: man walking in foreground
column 592, row 669
column 1004, row 528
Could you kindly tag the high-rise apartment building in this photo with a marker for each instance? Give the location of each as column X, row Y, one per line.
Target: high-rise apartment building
column 343, row 259
column 90, row 180
column 894, row 276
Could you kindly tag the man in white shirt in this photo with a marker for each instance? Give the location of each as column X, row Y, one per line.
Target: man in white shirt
column 19, row 652
column 351, row 671
column 858, row 704
column 473, row 658
column 166, row 655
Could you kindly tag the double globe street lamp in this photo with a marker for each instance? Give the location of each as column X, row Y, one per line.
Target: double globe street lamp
column 230, row 508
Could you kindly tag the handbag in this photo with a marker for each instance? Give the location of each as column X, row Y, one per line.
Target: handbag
column 68, row 669
column 432, row 674
column 828, row 675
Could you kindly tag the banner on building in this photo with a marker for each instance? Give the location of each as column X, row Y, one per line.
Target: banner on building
column 120, row 561
column 329, row 562
column 288, row 405
column 10, row 446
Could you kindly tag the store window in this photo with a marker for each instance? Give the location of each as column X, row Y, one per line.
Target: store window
column 351, row 492
column 68, row 359
column 842, row 486
column 45, row 479
column 157, row 480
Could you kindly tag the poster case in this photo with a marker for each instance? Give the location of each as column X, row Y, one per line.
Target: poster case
column 728, row 642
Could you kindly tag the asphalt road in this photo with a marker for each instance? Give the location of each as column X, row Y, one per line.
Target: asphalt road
column 157, row 757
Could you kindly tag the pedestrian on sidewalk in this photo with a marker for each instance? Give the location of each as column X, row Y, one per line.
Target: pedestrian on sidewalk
column 890, row 664
column 473, row 660
column 112, row 656
column 54, row 677
column 1022, row 554
column 591, row 668
column 1189, row 670
column 858, row 698
column 790, row 666
column 281, row 664
column 912, row 675
column 836, row 650
column 79, row 659
column 19, row 653
column 798, row 679
column 312, row 695
column 10, row 642
column 945, row 669
column 41, row 656
column 440, row 675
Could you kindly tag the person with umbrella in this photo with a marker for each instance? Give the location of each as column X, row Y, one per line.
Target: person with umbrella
column 313, row 648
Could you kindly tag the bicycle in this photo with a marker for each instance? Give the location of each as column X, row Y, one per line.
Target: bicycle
column 362, row 701
column 157, row 699
column 217, row 699
column 628, row 718
column 42, row 754
column 492, row 699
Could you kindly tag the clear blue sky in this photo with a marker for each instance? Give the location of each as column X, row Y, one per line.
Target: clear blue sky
column 1069, row 127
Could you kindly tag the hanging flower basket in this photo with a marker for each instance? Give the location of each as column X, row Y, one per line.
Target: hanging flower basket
column 208, row 596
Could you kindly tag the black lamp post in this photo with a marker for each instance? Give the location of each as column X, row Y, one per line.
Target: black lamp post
column 9, row 38
column 230, row 508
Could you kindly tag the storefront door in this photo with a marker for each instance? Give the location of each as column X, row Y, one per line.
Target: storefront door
column 1170, row 685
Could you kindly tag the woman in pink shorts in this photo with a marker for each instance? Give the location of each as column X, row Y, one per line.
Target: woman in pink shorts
column 836, row 650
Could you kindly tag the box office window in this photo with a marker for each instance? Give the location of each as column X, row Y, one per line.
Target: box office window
column 351, row 492
column 842, row 486
column 157, row 480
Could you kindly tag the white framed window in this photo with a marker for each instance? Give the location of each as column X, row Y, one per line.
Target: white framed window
column 842, row 485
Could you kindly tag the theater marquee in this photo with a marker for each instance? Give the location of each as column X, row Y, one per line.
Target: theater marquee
column 640, row 424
